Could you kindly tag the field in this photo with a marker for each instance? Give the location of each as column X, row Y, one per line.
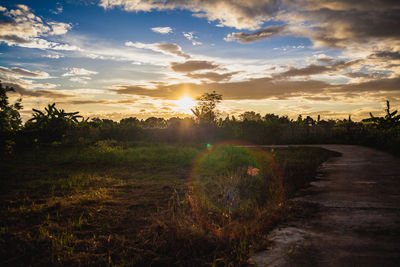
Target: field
column 130, row 204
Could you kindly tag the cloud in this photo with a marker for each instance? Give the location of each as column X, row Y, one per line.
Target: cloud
column 260, row 88
column 20, row 89
column 165, row 48
column 314, row 69
column 25, row 29
column 212, row 76
column 327, row 23
column 59, row 28
column 365, row 75
column 385, row 84
column 191, row 37
column 192, row 65
column 58, row 10
column 24, row 82
column 265, row 33
column 388, row 55
column 23, row 73
column 249, row 14
column 80, row 79
column 269, row 88
column 343, row 23
column 162, row 30
column 322, row 58
column 78, row 72
column 53, row 56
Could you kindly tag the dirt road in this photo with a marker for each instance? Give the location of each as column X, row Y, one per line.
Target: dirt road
column 359, row 221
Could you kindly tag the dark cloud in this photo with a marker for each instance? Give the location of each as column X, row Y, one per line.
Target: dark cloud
column 212, row 76
column 314, row 69
column 386, row 55
column 172, row 48
column 9, row 38
column 18, row 72
column 192, row 65
column 309, row 70
column 339, row 28
column 35, row 93
column 372, row 75
column 165, row 48
column 325, row 59
column 84, row 102
column 265, row 33
column 318, row 98
column 339, row 23
column 388, row 84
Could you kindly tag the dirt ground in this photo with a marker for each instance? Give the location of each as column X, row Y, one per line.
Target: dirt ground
column 359, row 220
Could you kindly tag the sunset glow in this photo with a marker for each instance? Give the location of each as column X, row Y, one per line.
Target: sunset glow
column 115, row 59
column 185, row 104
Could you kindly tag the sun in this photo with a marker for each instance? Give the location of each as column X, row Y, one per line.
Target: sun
column 185, row 104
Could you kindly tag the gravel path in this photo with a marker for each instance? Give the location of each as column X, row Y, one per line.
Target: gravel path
column 359, row 221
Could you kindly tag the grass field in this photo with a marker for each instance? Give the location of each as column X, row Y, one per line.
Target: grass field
column 127, row 204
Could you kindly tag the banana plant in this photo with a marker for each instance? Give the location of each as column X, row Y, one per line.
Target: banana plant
column 388, row 121
column 52, row 113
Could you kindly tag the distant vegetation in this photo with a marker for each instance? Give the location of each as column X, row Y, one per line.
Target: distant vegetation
column 55, row 125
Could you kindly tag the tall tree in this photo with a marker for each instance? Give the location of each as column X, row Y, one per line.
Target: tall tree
column 205, row 111
column 10, row 119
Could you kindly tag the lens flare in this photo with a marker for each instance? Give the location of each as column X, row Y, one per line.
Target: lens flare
column 234, row 190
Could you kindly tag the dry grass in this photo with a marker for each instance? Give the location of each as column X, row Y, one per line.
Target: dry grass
column 60, row 206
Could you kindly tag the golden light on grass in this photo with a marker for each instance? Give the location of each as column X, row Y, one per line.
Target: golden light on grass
column 185, row 104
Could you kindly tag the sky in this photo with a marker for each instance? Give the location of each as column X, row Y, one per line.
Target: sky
column 140, row 58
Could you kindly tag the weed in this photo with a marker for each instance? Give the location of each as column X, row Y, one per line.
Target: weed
column 116, row 203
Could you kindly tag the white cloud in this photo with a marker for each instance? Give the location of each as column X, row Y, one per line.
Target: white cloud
column 80, row 79
column 78, row 72
column 165, row 48
column 58, row 10
column 55, row 56
column 191, row 37
column 59, row 28
column 25, row 29
column 162, row 30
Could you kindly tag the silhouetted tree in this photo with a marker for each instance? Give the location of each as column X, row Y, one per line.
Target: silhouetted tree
column 10, row 119
column 271, row 117
column 129, row 121
column 205, row 111
column 250, row 116
column 53, row 123
column 390, row 120
column 154, row 122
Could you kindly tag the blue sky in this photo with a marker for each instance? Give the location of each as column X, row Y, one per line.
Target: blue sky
column 121, row 58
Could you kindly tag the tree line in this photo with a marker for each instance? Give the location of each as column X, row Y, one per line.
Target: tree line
column 54, row 125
